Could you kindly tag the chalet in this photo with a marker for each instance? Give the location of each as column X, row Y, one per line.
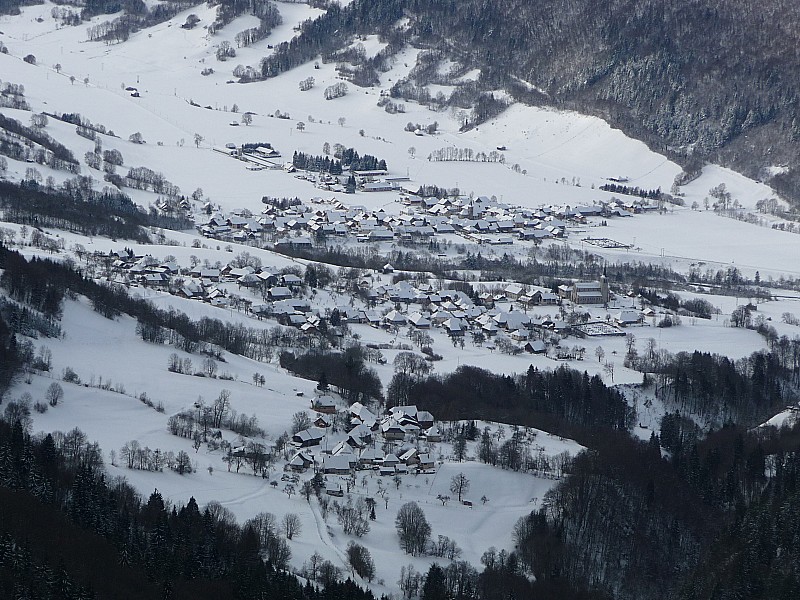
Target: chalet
column 324, row 404
column 419, row 321
column 432, row 434
column 170, row 267
column 392, row 430
column 444, row 228
column 395, row 318
column 155, row 280
column 269, row 278
column 520, row 335
column 206, row 273
column 300, row 462
column 371, row 456
column 536, row 347
column 279, row 293
column 191, row 290
column 513, row 291
column 454, row 327
column 233, row 273
column 323, row 421
column 490, row 329
column 409, row 457
column 425, row 419
column 390, row 460
column 336, row 465
column 380, row 234
column 249, row 280
column 363, row 414
column 308, row 327
column 308, row 437
column 378, row 186
column 628, row 317
column 549, row 298
column 296, row 242
column 425, row 462
column 358, row 438
column 343, row 448
column 408, row 411
column 299, row 305
column 372, row 318
column 291, row 280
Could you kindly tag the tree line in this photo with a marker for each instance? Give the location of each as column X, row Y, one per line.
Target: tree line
column 631, row 191
column 330, row 32
column 345, row 371
column 562, row 401
column 60, row 156
column 75, row 207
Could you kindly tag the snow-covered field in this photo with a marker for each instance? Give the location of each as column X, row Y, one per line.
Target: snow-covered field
column 563, row 158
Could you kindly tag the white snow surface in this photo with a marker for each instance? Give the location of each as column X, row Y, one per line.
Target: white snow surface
column 566, row 157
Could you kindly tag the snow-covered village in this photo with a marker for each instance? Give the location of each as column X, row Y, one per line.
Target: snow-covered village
column 335, row 310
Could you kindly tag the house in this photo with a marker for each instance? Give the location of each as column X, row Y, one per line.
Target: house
column 324, row 404
column 513, row 291
column 203, row 273
column 404, row 411
column 536, row 347
column 323, row 421
column 549, row 298
column 300, row 462
column 425, row 462
column 361, row 434
column 453, row 327
column 343, row 448
column 395, row 318
column 392, row 430
column 363, row 414
column 371, row 456
column 279, row 293
column 419, row 321
column 336, row 464
column 424, row 419
column 409, row 457
column 291, row 280
column 380, row 234
column 520, row 335
column 628, row 317
column 308, row 437
column 432, row 434
column 390, row 460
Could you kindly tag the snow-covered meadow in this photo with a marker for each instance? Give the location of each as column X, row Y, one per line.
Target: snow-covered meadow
column 563, row 158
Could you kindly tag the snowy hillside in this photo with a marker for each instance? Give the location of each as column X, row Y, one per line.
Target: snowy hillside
column 523, row 186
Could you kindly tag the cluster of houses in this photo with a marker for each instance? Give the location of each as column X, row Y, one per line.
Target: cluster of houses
column 481, row 220
column 341, row 454
column 418, row 306
column 202, row 282
column 421, row 307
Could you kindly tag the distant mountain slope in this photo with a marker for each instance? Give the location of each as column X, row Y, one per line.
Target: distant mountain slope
column 699, row 79
column 710, row 78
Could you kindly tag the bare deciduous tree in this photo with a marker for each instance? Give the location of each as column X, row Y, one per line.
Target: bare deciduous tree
column 291, row 525
column 54, row 393
column 412, row 528
column 459, row 485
